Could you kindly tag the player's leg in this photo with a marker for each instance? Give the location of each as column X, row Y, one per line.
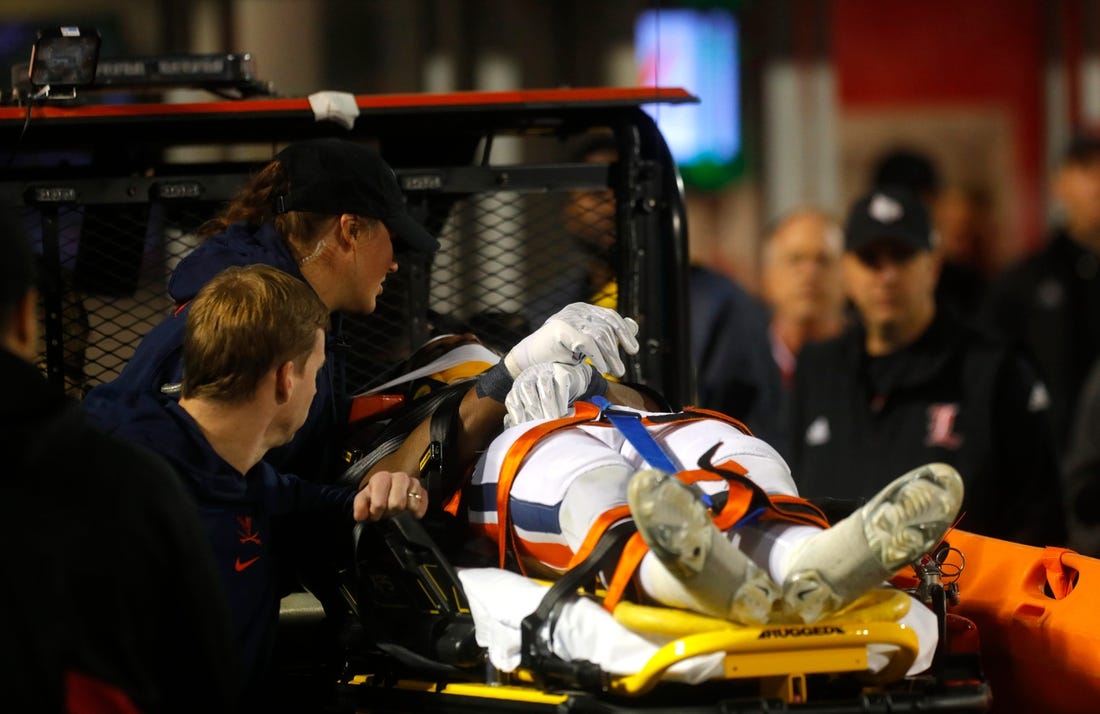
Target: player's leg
column 567, row 481
column 691, row 564
column 821, row 570
column 898, row 525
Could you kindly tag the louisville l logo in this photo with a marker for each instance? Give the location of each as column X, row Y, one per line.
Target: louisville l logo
column 941, row 426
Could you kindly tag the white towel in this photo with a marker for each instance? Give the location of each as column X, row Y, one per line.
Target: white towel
column 500, row 599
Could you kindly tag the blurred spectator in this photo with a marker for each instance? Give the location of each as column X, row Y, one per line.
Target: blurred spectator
column 1083, row 470
column 911, row 169
column 911, row 384
column 729, row 347
column 955, row 213
column 1049, row 303
column 109, row 601
column 962, row 219
column 801, row 283
column 590, row 219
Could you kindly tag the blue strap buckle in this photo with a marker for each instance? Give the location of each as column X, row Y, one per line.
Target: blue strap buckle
column 631, row 427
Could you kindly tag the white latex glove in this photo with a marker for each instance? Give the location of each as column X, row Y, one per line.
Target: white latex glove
column 546, row 391
column 577, row 331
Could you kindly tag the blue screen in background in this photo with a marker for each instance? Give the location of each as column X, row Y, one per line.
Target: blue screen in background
column 698, row 51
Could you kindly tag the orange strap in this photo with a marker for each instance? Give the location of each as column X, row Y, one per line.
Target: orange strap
column 797, row 509
column 1060, row 577
column 453, row 503
column 738, row 505
column 583, row 412
column 744, row 495
column 633, row 552
column 605, row 521
column 695, row 414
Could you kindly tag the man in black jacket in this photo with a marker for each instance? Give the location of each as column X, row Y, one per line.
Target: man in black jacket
column 909, row 385
column 1049, row 303
column 108, row 599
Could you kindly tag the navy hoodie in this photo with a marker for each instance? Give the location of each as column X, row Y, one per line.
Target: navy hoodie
column 158, row 359
column 237, row 513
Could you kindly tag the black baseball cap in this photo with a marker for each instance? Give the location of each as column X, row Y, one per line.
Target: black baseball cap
column 889, row 212
column 910, row 169
column 335, row 176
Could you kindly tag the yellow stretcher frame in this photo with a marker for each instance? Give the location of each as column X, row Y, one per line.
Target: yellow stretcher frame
column 779, row 655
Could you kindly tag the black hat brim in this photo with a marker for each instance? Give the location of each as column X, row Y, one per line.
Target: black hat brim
column 411, row 234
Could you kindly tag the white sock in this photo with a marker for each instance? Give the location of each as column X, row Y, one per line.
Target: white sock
column 664, row 587
column 770, row 544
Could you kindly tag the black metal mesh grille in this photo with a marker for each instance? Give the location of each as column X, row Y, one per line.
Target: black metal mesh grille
column 115, row 261
column 114, row 194
column 506, row 263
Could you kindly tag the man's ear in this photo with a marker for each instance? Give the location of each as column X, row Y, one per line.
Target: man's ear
column 348, row 229
column 284, row 382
